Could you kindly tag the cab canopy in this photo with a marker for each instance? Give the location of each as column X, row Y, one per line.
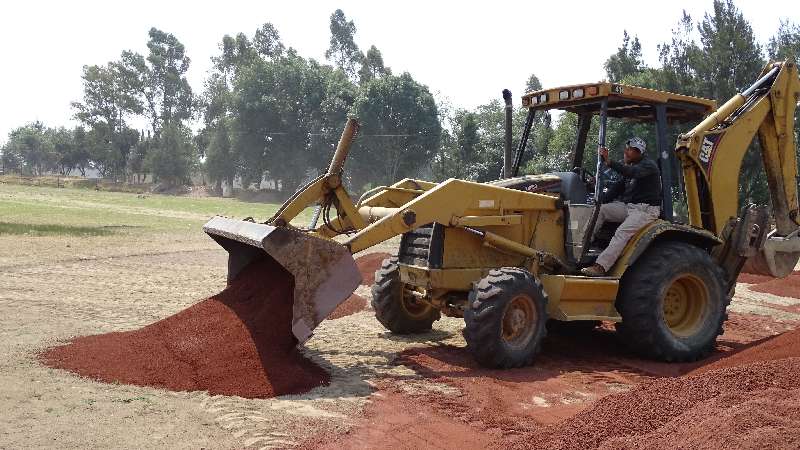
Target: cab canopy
column 624, row 102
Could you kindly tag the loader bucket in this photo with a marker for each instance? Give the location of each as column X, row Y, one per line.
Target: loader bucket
column 771, row 261
column 324, row 271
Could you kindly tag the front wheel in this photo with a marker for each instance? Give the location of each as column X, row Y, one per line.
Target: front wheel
column 399, row 312
column 672, row 302
column 505, row 318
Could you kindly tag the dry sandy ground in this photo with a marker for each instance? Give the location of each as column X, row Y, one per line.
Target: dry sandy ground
column 52, row 288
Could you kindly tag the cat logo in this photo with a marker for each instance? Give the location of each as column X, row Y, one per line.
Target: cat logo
column 705, row 151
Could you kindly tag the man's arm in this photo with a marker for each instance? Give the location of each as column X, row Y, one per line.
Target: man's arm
column 646, row 168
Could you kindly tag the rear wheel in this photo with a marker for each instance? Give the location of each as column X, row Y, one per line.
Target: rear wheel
column 672, row 302
column 505, row 318
column 399, row 312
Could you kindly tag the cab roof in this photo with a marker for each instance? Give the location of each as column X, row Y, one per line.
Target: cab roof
column 624, row 101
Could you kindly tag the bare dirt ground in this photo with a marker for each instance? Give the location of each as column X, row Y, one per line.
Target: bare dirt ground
column 385, row 391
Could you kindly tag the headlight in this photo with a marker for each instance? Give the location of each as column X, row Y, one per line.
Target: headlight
column 577, row 93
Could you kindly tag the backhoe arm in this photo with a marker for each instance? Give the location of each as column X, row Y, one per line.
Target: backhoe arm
column 712, row 153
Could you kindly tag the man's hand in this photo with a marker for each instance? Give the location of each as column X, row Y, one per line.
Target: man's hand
column 603, row 152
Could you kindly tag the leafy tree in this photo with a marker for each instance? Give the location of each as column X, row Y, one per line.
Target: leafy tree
column 343, row 51
column 161, row 80
column 267, row 42
column 172, row 156
column 137, row 159
column 786, row 42
column 679, row 60
column 731, row 59
column 400, row 130
column 220, row 164
column 32, row 146
column 533, row 84
column 372, row 66
column 626, row 61
column 111, row 96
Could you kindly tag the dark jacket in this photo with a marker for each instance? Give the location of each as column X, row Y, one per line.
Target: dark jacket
column 641, row 182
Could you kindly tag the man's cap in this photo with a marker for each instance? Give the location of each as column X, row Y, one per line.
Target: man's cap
column 637, row 143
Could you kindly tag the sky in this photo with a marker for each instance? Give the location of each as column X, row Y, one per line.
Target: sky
column 466, row 52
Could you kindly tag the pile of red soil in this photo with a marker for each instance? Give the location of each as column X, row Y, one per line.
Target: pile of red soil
column 238, row 342
column 367, row 265
column 751, row 278
column 748, row 400
column 784, row 287
column 355, row 303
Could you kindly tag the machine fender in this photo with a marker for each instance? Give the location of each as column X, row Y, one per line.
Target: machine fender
column 660, row 230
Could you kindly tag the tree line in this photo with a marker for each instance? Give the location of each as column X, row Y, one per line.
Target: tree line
column 269, row 115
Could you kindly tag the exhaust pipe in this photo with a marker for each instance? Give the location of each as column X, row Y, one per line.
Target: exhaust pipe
column 507, row 156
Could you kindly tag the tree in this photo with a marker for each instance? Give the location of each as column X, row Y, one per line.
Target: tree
column 626, row 61
column 533, row 84
column 267, row 41
column 343, row 51
column 111, row 95
column 30, row 148
column 400, row 130
column 679, row 60
column 730, row 59
column 162, row 81
column 172, row 156
column 372, row 66
column 220, row 164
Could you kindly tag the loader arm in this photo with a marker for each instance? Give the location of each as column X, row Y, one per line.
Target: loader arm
column 711, row 155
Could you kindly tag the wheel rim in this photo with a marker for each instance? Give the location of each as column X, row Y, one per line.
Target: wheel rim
column 685, row 305
column 413, row 307
column 519, row 321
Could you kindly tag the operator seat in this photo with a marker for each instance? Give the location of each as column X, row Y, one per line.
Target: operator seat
column 572, row 187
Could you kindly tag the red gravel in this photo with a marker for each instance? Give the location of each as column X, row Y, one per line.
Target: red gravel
column 786, row 345
column 784, row 287
column 751, row 278
column 355, row 303
column 368, row 264
column 238, row 342
column 748, row 400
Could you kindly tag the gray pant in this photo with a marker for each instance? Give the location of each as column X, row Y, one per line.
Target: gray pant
column 633, row 216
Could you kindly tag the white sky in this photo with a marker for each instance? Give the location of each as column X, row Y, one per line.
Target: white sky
column 465, row 52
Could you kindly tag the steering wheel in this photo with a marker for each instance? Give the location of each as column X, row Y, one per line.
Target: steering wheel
column 587, row 177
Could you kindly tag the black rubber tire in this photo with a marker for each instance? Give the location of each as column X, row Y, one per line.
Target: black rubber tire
column 391, row 310
column 643, row 289
column 490, row 300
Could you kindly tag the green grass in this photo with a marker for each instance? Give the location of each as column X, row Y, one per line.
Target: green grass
column 52, row 230
column 38, row 210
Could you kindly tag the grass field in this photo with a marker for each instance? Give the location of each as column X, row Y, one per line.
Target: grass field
column 37, row 210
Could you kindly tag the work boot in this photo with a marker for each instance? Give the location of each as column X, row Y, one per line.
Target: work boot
column 595, row 270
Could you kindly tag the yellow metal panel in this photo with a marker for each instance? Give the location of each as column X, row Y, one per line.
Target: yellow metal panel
column 581, row 298
column 463, row 249
column 451, row 198
column 482, row 221
column 441, row 279
column 547, row 233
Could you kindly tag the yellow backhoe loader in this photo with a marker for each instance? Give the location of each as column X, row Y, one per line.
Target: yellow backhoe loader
column 505, row 255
